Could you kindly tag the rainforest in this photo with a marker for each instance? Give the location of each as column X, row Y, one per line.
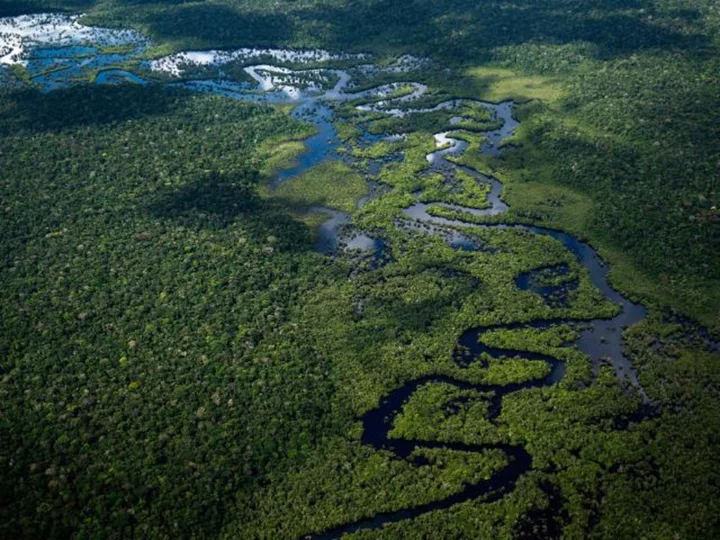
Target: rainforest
column 359, row 269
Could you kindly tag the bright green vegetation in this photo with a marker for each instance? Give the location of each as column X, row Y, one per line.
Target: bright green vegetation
column 498, row 84
column 442, row 412
column 277, row 156
column 332, row 184
column 175, row 359
column 378, row 150
column 463, row 190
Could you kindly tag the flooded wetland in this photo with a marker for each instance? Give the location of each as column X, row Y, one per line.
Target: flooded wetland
column 471, row 358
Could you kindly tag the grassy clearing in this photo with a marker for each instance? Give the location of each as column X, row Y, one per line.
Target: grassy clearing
column 498, row 84
column 378, row 150
column 332, row 184
column 280, row 156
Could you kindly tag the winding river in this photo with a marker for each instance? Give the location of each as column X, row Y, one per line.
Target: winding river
column 599, row 339
column 314, row 92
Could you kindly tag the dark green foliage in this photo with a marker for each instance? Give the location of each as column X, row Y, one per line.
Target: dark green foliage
column 641, row 81
column 652, row 165
column 176, row 361
column 139, row 282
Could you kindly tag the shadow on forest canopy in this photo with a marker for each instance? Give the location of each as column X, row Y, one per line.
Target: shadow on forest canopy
column 453, row 30
column 213, row 24
column 87, row 105
column 468, row 29
column 10, row 8
column 217, row 201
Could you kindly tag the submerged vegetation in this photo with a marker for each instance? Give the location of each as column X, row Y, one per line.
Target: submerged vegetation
column 177, row 359
column 331, row 184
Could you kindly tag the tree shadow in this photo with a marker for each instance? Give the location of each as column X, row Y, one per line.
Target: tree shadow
column 27, row 109
column 461, row 29
column 215, row 25
column 11, row 8
column 217, row 201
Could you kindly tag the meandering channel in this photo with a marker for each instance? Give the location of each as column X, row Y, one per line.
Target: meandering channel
column 314, row 91
column 600, row 339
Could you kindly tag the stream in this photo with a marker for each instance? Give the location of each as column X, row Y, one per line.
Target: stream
column 61, row 61
column 599, row 339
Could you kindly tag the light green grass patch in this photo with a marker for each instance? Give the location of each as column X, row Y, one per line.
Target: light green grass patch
column 463, row 190
column 551, row 205
column 498, row 84
column 280, row 156
column 378, row 150
column 312, row 219
column 346, row 130
column 332, row 184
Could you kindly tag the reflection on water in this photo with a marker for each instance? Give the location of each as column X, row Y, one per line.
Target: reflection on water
column 58, row 51
column 23, row 35
column 118, row 76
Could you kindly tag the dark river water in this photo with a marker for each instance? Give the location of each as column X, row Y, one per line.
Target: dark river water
column 600, row 339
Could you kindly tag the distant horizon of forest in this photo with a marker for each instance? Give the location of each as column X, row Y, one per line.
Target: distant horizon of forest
column 464, row 284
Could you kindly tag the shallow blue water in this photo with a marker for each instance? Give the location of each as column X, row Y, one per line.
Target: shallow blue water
column 52, row 68
column 600, row 339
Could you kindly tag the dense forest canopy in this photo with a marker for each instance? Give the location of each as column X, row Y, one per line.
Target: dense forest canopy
column 640, row 109
column 182, row 356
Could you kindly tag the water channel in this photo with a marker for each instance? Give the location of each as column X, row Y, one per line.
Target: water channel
column 55, row 58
